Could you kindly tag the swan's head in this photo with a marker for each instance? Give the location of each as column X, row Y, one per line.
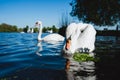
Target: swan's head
column 69, row 46
column 68, row 43
column 38, row 23
column 67, row 53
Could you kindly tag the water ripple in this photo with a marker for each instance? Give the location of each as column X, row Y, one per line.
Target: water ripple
column 18, row 51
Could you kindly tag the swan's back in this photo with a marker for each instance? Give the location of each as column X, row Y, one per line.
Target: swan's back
column 87, row 38
column 53, row 37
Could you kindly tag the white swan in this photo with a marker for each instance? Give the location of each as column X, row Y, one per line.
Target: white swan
column 54, row 37
column 79, row 36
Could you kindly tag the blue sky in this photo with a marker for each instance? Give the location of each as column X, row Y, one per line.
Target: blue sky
column 27, row 12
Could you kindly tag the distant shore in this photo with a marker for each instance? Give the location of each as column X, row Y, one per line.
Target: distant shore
column 108, row 33
column 99, row 33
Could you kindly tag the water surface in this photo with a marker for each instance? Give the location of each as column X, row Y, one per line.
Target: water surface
column 19, row 52
column 20, row 58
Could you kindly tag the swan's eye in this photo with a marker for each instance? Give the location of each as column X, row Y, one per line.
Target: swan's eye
column 67, row 41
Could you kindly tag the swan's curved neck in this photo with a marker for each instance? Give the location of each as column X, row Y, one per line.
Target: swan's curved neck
column 40, row 32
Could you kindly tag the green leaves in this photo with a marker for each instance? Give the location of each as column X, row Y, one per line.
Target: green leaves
column 99, row 12
column 8, row 28
column 82, row 57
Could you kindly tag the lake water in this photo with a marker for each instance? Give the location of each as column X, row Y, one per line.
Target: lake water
column 20, row 58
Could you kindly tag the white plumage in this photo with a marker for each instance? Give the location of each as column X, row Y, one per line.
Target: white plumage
column 82, row 36
column 54, row 37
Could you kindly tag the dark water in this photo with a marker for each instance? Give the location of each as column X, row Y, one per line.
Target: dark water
column 20, row 58
column 108, row 51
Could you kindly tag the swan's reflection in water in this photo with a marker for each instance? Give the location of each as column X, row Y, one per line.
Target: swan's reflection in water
column 87, row 71
column 81, row 70
column 49, row 48
column 78, row 70
column 39, row 44
column 88, row 77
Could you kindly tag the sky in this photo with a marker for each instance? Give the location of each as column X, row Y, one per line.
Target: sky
column 27, row 12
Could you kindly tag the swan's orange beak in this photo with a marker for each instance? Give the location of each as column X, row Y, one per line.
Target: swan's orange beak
column 68, row 43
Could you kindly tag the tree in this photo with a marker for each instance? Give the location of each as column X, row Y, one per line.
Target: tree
column 64, row 22
column 99, row 12
column 62, row 31
column 14, row 28
column 8, row 28
column 26, row 28
column 44, row 29
column 55, row 30
column 20, row 29
column 35, row 30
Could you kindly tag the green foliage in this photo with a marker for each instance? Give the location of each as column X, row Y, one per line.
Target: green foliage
column 99, row 12
column 35, row 30
column 20, row 29
column 82, row 57
column 55, row 30
column 26, row 28
column 8, row 28
column 44, row 29
column 12, row 28
column 62, row 31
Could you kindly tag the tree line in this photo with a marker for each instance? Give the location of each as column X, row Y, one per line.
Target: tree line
column 12, row 28
column 97, row 12
column 8, row 28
